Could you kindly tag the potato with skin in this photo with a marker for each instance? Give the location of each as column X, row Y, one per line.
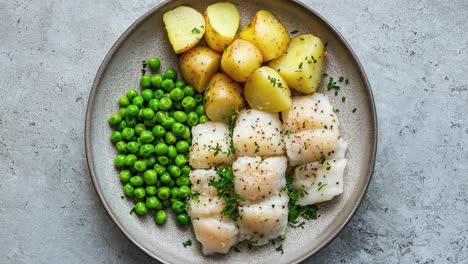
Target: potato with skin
column 185, row 28
column 240, row 59
column 267, row 33
column 266, row 90
column 223, row 97
column 302, row 64
column 198, row 65
column 222, row 22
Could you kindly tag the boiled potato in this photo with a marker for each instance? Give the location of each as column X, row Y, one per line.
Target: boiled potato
column 240, row 59
column 267, row 33
column 302, row 65
column 266, row 90
column 222, row 22
column 185, row 28
column 198, row 65
column 223, row 97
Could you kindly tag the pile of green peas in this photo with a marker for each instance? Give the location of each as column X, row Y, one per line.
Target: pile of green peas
column 152, row 136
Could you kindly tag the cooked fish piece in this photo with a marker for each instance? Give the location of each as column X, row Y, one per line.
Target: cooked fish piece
column 258, row 178
column 200, row 180
column 308, row 146
column 310, row 112
column 217, row 235
column 257, row 133
column 204, row 206
column 319, row 182
column 210, row 145
column 264, row 221
column 340, row 150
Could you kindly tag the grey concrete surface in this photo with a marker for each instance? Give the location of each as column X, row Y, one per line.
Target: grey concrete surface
column 415, row 54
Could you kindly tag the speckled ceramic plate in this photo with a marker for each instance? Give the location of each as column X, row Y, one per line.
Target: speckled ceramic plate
column 121, row 69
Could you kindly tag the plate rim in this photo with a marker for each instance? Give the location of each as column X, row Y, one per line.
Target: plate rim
column 97, row 80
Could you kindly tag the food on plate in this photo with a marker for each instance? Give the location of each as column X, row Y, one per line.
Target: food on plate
column 217, row 235
column 200, row 180
column 198, row 65
column 240, row 59
column 222, row 98
column 302, row 64
column 205, row 206
column 257, row 178
column 266, row 90
column 257, row 133
column 267, row 33
column 222, row 22
column 185, row 28
column 210, row 145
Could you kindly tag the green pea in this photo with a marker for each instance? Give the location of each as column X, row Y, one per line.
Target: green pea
column 163, row 160
column 150, row 177
column 150, row 122
column 186, row 134
column 170, row 74
column 140, row 209
column 178, row 129
column 121, row 147
column 154, row 64
column 139, row 128
column 145, row 82
column 174, row 171
column 147, row 94
column 115, row 119
column 125, row 176
column 160, row 116
column 158, row 131
column 178, row 106
column 161, row 149
column 189, row 91
column 185, row 170
column 138, row 101
column 167, row 85
column 168, row 122
column 183, row 181
column 170, row 138
column 192, row 119
column 180, row 160
column 160, row 169
column 123, row 113
column 165, row 103
column 182, row 146
column 159, row 93
column 183, row 219
column 200, row 110
column 128, row 133
column 140, row 192
column 119, row 161
column 136, row 181
column 140, row 115
column 150, row 161
column 146, row 150
column 140, row 165
column 164, row 193
column 153, row 104
column 123, row 101
column 116, row 136
column 180, row 84
column 165, row 178
column 184, row 191
column 130, row 160
column 189, row 103
column 122, row 125
column 171, row 152
column 180, row 116
column 132, row 93
column 132, row 147
column 151, row 190
column 148, row 113
column 178, row 207
column 146, row 137
column 131, row 121
column 128, row 190
column 177, row 94
column 160, row 217
column 202, row 119
column 132, row 110
column 175, row 193
column 153, row 203
column 198, row 99
column 156, row 80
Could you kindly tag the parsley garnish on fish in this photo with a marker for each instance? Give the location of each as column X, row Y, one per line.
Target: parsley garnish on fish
column 321, row 185
column 289, row 132
column 187, row 243
column 225, row 188
column 251, row 243
column 280, row 249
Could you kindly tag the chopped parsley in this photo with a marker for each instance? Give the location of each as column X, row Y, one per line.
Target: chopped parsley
column 354, row 110
column 289, row 132
column 332, row 85
column 322, row 159
column 346, row 81
column 321, row 185
column 275, row 81
column 280, row 249
column 187, row 243
column 300, row 65
column 218, row 149
column 336, row 110
column 195, row 195
column 225, row 188
column 307, row 212
column 257, row 147
column 343, row 99
column 341, row 79
column 195, row 31
column 236, row 249
column 251, row 243
column 143, row 67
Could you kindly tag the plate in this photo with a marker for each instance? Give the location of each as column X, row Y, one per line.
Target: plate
column 121, row 70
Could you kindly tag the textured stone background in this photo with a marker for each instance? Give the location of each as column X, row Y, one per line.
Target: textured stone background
column 414, row 52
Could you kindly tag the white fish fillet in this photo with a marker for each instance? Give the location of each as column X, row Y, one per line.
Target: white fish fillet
column 264, row 221
column 308, row 146
column 210, row 145
column 204, row 206
column 258, row 178
column 217, row 235
column 200, row 180
column 257, row 133
column 319, row 182
column 340, row 150
column 310, row 112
